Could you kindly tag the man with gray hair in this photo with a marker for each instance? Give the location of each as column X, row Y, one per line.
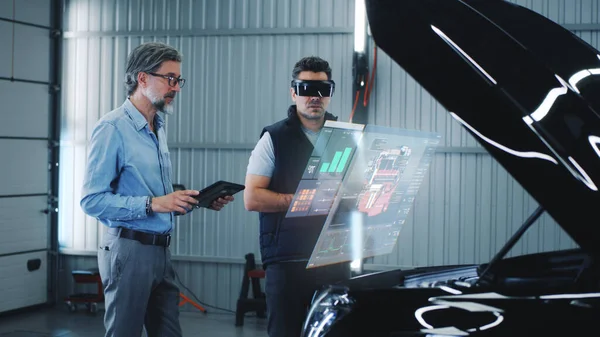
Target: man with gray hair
column 128, row 187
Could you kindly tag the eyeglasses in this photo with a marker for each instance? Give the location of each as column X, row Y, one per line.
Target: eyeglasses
column 172, row 80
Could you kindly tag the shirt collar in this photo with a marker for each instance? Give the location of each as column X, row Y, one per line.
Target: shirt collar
column 138, row 118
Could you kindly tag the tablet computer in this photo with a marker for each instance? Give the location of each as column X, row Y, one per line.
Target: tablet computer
column 217, row 190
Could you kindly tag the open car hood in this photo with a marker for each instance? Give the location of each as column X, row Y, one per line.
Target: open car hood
column 526, row 88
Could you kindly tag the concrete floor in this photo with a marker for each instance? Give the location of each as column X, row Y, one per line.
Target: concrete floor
column 59, row 322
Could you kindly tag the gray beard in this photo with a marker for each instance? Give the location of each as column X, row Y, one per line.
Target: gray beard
column 161, row 106
column 159, row 102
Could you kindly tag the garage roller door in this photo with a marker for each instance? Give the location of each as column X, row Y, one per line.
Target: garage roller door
column 28, row 94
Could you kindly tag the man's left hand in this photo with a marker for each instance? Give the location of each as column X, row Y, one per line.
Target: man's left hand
column 218, row 204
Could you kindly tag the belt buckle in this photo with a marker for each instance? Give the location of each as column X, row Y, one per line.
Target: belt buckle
column 168, row 240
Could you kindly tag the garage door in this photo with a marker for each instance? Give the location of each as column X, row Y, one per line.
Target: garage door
column 27, row 99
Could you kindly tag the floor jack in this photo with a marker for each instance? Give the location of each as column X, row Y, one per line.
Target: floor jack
column 185, row 299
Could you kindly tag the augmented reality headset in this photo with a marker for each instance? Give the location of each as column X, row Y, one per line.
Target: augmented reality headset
column 314, row 88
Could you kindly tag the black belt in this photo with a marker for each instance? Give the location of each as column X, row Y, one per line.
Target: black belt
column 163, row 240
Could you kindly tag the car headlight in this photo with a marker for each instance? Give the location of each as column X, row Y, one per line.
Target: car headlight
column 329, row 306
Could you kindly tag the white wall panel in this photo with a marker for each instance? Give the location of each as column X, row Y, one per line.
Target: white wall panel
column 25, row 167
column 24, row 226
column 6, row 54
column 32, row 11
column 20, row 286
column 6, row 9
column 24, row 117
column 32, row 53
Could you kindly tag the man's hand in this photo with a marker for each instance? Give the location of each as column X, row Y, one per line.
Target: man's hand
column 218, row 204
column 178, row 201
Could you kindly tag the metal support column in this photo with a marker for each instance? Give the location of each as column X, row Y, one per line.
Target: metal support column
column 56, row 36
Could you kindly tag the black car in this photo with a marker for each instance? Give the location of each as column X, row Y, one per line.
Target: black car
column 528, row 90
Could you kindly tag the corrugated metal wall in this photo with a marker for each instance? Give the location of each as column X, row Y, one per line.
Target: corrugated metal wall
column 238, row 57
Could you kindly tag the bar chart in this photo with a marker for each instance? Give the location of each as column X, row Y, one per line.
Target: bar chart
column 340, row 159
column 337, row 155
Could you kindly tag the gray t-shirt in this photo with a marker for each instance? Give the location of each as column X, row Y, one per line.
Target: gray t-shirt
column 262, row 158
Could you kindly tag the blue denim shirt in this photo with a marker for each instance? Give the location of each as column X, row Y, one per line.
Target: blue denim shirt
column 127, row 163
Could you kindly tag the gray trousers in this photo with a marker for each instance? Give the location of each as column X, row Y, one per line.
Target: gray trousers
column 139, row 289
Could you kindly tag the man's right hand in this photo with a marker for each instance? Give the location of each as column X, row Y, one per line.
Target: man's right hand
column 178, row 201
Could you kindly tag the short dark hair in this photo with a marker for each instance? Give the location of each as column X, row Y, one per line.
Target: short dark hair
column 146, row 58
column 311, row 63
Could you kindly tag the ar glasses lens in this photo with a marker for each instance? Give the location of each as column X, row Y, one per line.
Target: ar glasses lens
column 314, row 88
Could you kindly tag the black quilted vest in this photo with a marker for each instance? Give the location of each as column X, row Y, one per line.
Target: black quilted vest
column 293, row 238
